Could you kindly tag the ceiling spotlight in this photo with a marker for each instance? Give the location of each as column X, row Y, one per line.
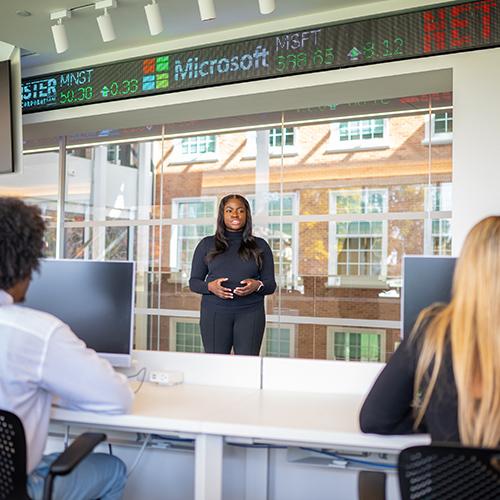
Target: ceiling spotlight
column 59, row 30
column 104, row 22
column 266, row 6
column 153, row 15
column 207, row 9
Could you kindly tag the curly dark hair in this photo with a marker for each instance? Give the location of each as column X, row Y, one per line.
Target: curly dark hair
column 21, row 241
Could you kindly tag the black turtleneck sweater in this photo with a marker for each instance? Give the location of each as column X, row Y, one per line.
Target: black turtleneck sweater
column 230, row 265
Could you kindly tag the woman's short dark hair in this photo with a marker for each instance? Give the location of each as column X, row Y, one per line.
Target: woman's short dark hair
column 248, row 248
column 21, row 241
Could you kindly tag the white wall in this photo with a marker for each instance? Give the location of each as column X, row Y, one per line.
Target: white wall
column 476, row 140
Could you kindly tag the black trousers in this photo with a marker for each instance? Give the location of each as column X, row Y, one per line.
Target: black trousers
column 241, row 330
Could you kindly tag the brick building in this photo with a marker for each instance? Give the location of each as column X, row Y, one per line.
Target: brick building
column 340, row 203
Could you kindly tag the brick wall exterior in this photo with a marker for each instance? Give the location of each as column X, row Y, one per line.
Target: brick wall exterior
column 402, row 169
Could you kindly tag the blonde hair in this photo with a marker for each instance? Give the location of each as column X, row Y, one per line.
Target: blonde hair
column 471, row 322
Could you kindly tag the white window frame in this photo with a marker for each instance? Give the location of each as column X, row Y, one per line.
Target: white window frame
column 295, row 229
column 178, row 157
column 430, row 235
column 433, row 138
column 175, row 238
column 250, row 151
column 281, row 326
column 172, row 338
column 334, row 279
column 335, row 145
column 330, row 341
column 434, row 213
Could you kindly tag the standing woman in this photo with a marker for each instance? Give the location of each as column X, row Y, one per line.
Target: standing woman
column 233, row 270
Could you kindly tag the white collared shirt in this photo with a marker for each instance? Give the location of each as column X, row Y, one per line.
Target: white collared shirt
column 40, row 358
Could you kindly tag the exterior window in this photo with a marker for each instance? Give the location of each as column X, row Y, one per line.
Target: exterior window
column 278, row 342
column 438, row 238
column 441, row 128
column 125, row 155
column 277, row 139
column 185, row 237
column 282, row 237
column 345, row 344
column 441, row 236
column 185, row 335
column 443, row 123
column 191, row 149
column 199, row 145
column 358, row 248
column 359, row 134
column 280, row 141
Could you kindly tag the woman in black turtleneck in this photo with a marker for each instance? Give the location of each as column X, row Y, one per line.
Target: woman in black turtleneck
column 233, row 270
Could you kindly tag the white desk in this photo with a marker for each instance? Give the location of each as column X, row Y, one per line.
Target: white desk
column 213, row 413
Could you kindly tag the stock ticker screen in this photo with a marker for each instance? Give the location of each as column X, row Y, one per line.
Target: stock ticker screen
column 450, row 28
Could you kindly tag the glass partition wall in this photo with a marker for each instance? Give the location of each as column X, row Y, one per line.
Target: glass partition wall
column 340, row 192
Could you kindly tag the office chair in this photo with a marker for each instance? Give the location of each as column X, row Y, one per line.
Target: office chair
column 449, row 472
column 13, row 458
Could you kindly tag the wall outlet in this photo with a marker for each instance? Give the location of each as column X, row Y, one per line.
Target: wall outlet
column 166, row 377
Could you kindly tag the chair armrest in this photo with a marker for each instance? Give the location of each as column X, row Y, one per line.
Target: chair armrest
column 76, row 452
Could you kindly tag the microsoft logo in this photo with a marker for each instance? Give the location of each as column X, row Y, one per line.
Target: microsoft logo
column 155, row 73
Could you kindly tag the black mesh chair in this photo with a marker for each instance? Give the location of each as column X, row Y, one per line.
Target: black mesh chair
column 13, row 458
column 446, row 472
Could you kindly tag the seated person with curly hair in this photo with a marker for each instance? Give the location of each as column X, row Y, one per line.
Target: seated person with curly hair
column 41, row 358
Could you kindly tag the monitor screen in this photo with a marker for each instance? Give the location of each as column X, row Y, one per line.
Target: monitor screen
column 96, row 300
column 426, row 280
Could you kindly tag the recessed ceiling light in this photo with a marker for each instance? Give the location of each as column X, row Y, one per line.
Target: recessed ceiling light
column 23, row 13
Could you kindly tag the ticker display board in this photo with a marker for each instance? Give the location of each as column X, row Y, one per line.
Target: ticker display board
column 446, row 29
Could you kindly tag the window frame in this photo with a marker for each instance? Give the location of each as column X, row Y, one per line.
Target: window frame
column 330, row 342
column 435, row 214
column 335, row 145
column 178, row 157
column 281, row 326
column 366, row 281
column 295, row 229
column 250, row 151
column 430, row 135
column 176, row 239
column 172, row 338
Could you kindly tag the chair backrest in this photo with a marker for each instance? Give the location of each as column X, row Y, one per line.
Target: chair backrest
column 445, row 472
column 12, row 457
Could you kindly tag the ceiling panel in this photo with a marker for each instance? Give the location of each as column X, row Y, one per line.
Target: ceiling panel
column 180, row 18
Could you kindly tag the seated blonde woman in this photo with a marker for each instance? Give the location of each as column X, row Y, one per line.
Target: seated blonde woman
column 445, row 379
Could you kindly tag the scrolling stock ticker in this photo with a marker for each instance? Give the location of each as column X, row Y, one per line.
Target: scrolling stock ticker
column 452, row 28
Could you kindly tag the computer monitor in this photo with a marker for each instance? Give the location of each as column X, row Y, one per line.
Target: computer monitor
column 426, row 280
column 96, row 300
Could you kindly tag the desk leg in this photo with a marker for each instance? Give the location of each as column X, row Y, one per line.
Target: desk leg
column 208, row 467
column 257, row 464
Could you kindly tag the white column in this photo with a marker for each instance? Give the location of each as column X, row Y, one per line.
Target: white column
column 476, row 141
column 144, row 200
column 98, row 201
column 261, row 172
column 208, row 467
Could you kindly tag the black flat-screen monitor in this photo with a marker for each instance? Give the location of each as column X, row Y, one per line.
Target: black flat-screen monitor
column 426, row 280
column 96, row 300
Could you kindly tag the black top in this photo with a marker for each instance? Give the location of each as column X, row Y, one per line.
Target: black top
column 230, row 265
column 388, row 407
